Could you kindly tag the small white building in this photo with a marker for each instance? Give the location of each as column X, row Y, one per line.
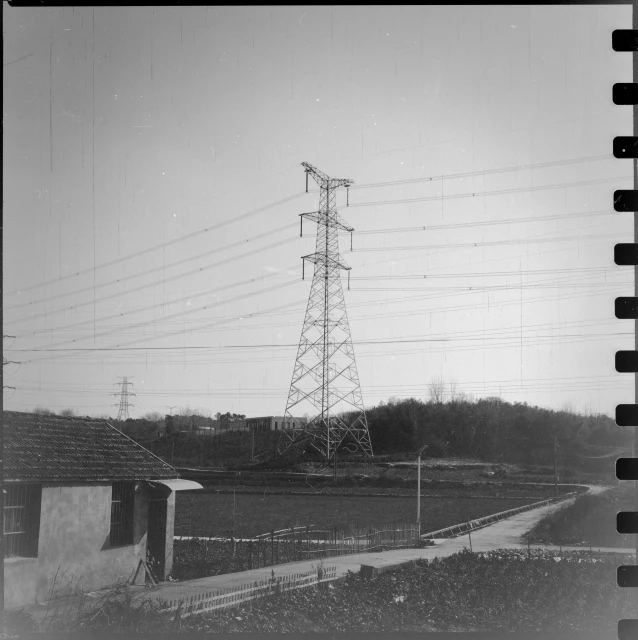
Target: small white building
column 274, row 423
column 83, row 505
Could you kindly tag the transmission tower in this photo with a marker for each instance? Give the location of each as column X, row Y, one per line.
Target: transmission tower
column 124, row 394
column 325, row 383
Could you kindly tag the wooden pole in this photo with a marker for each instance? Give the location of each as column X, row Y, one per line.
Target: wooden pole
column 555, row 462
column 418, row 494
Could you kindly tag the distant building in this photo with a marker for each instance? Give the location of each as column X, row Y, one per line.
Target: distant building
column 204, row 431
column 274, row 423
column 83, row 505
column 224, row 426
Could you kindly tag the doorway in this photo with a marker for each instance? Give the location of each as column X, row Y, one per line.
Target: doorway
column 156, row 537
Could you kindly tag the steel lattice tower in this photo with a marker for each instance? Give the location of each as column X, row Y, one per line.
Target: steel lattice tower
column 325, row 382
column 122, row 413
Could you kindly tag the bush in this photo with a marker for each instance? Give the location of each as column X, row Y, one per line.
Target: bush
column 501, row 590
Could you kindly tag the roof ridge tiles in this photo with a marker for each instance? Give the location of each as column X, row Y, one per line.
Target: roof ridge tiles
column 60, row 448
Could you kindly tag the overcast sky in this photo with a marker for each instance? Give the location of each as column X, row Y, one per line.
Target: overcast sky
column 152, row 186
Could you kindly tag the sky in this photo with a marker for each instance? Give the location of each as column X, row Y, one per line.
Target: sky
column 153, row 185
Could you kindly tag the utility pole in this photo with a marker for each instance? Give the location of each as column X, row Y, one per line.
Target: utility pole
column 124, row 404
column 252, row 446
column 325, row 378
column 418, row 488
column 555, row 463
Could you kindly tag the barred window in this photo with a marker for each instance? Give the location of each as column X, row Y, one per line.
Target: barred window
column 122, row 509
column 21, row 520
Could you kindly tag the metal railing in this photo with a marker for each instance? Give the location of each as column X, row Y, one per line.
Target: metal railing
column 294, row 544
column 479, row 523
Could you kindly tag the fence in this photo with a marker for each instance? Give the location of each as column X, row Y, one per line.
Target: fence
column 198, row 556
column 211, row 600
column 479, row 523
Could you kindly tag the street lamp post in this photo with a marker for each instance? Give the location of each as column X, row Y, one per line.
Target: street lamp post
column 418, row 489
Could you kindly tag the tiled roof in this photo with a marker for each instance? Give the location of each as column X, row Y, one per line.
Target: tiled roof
column 55, row 448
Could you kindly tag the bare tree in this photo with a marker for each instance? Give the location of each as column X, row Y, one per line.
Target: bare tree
column 43, row 411
column 68, row 413
column 153, row 416
column 436, row 390
column 454, row 386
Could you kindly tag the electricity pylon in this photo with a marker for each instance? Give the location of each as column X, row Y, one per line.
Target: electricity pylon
column 122, row 413
column 325, row 382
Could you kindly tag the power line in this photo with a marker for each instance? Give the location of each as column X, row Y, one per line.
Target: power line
column 206, row 326
column 544, row 252
column 488, row 193
column 253, row 212
column 492, row 243
column 154, row 306
column 399, row 340
column 271, row 275
column 482, row 172
column 163, row 245
column 180, row 313
column 485, row 223
column 155, row 269
column 179, row 332
column 445, row 246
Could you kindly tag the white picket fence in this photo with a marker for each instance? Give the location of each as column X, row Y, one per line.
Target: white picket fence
column 207, row 601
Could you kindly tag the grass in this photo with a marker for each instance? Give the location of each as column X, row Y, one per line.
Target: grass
column 505, row 591
column 246, row 515
column 589, row 520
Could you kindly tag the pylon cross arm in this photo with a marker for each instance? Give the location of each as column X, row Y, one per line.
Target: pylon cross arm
column 334, row 220
column 320, row 258
column 323, row 180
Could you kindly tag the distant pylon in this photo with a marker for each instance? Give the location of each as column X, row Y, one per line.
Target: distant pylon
column 325, row 382
column 122, row 413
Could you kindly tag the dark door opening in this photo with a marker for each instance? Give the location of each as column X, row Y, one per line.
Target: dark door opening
column 156, row 537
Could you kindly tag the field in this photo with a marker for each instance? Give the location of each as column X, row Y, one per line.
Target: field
column 591, row 519
column 244, row 515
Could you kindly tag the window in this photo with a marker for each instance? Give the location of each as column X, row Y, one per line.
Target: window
column 21, row 519
column 122, row 503
column 275, row 425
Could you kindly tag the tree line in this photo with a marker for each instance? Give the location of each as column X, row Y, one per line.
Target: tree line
column 449, row 423
column 490, row 429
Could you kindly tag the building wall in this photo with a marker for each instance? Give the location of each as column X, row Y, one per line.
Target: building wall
column 73, row 550
column 20, row 575
column 170, row 532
